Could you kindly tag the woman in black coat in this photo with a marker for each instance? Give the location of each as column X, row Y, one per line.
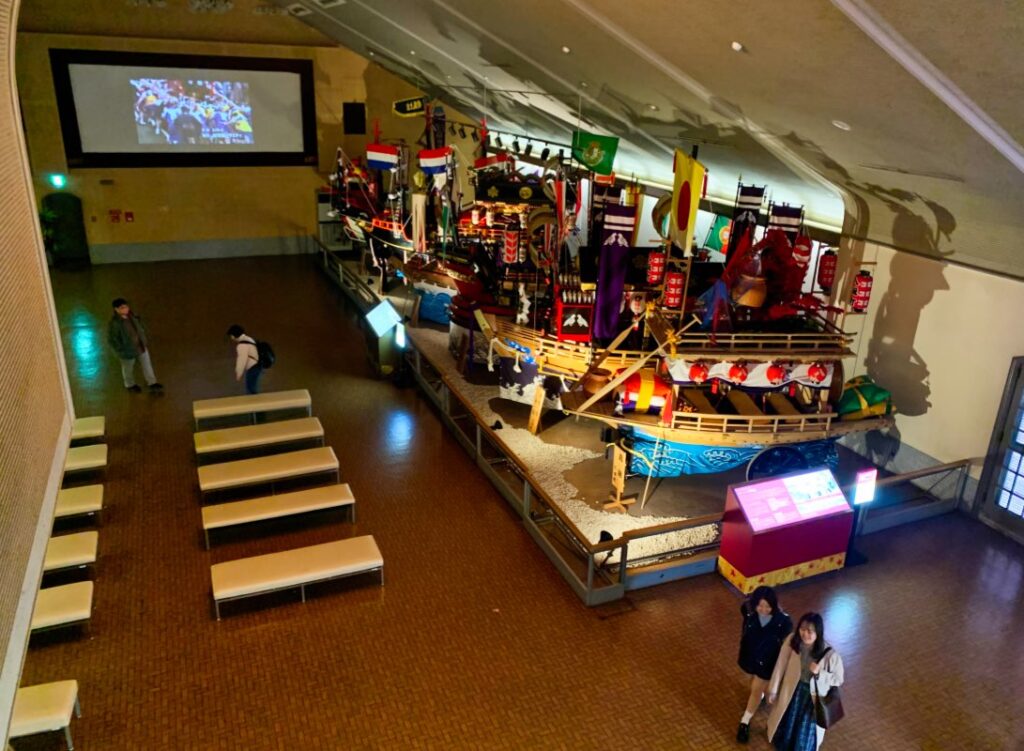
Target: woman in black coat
column 765, row 627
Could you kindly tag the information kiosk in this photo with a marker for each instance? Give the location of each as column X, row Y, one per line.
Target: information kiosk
column 782, row 529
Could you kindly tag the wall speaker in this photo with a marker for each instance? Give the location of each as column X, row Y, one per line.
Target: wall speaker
column 353, row 118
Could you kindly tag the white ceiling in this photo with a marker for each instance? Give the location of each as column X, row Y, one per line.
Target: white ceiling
column 932, row 93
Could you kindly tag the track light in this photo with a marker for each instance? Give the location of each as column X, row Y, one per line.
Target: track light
column 451, row 129
column 545, row 153
column 528, row 150
column 515, row 146
column 475, row 135
column 462, row 132
column 561, row 155
column 498, row 143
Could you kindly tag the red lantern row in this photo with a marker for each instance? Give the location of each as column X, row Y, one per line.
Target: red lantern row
column 675, row 281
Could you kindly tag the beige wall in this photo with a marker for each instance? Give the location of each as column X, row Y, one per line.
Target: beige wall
column 941, row 338
column 35, row 404
column 206, row 204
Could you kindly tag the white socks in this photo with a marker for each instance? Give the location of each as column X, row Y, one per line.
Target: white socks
column 746, row 718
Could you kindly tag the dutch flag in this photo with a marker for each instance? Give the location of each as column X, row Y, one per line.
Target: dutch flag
column 435, row 161
column 380, row 156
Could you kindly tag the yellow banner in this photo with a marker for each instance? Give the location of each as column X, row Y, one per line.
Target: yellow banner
column 688, row 185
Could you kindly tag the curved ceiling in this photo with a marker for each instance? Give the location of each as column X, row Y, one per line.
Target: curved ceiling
column 931, row 163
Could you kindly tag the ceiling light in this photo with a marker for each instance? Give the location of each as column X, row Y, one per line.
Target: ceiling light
column 652, row 107
column 498, row 143
column 330, row 3
column 528, row 150
column 462, row 132
column 474, row 135
column 738, row 47
column 841, row 125
column 561, row 155
column 565, row 50
column 451, row 128
column 545, row 153
column 515, row 145
column 412, row 52
column 584, row 85
column 371, row 53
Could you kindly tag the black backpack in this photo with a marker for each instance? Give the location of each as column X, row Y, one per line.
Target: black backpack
column 265, row 354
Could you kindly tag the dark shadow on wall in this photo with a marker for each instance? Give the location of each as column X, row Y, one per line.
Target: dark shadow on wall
column 921, row 225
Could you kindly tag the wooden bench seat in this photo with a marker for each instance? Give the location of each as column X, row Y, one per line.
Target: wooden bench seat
column 743, row 403
column 88, row 428
column 782, row 405
column 85, row 499
column 254, row 436
column 276, row 506
column 71, row 551
column 697, row 399
column 63, row 606
column 45, row 708
column 251, row 404
column 262, row 574
column 86, row 458
column 267, row 469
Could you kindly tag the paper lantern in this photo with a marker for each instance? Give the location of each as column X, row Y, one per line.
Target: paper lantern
column 827, row 270
column 655, row 266
column 776, row 374
column 674, row 283
column 698, row 372
column 862, row 284
column 817, row 372
column 738, row 372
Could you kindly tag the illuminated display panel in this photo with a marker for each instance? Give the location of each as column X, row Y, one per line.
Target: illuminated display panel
column 780, row 501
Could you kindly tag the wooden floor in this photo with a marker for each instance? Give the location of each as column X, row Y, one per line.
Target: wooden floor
column 474, row 642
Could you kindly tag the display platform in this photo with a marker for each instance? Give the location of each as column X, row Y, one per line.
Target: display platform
column 671, row 531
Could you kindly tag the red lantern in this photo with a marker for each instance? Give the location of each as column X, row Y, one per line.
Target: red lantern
column 674, row 283
column 802, row 251
column 655, row 266
column 511, row 254
column 776, row 374
column 861, row 291
column 817, row 372
column 827, row 269
column 738, row 372
column 698, row 372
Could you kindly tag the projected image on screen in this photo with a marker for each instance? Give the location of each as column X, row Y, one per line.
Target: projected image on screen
column 192, row 112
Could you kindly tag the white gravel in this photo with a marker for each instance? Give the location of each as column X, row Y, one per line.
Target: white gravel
column 548, row 463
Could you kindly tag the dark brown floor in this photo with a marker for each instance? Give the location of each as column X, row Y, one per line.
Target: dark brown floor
column 474, row 641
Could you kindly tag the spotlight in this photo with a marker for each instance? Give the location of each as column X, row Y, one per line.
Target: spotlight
column 498, row 143
column 561, row 155
column 515, row 146
column 462, row 132
column 451, row 129
column 545, row 153
column 528, row 150
column 474, row 135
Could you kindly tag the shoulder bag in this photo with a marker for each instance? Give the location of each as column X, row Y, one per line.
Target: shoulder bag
column 828, row 709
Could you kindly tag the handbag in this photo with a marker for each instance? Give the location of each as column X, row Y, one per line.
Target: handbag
column 828, row 709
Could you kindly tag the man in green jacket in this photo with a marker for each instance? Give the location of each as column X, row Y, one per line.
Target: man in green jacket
column 127, row 337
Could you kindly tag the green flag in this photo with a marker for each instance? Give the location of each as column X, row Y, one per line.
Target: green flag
column 718, row 236
column 596, row 153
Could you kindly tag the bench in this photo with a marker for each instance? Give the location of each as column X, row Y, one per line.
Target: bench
column 744, row 404
column 85, row 499
column 45, row 708
column 254, row 436
column 71, row 551
column 697, row 399
column 276, row 506
column 88, row 428
column 264, row 469
column 782, row 405
column 262, row 574
column 251, row 404
column 62, row 606
column 86, row 458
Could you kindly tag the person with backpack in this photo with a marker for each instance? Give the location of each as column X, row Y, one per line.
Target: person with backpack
column 252, row 357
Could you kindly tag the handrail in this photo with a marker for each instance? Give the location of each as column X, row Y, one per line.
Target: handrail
column 701, row 422
column 924, row 472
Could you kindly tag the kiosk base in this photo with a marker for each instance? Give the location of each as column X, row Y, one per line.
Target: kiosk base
column 747, row 584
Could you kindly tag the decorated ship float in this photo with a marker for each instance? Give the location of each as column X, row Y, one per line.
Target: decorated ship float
column 698, row 366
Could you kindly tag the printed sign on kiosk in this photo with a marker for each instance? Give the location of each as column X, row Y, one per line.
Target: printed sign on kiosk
column 781, row 529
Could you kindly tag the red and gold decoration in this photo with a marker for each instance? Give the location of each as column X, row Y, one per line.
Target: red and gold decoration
column 675, row 281
column 861, row 296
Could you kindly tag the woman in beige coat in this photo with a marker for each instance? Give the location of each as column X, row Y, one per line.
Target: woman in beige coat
column 807, row 666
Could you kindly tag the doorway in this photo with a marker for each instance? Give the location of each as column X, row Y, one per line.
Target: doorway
column 1002, row 480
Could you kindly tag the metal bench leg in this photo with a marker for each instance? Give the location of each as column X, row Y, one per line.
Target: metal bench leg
column 67, row 738
column 302, row 591
column 78, row 708
column 216, row 609
column 206, row 533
